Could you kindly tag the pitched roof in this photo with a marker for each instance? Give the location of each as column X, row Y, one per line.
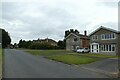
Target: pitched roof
column 50, row 40
column 45, row 40
column 77, row 35
column 104, row 28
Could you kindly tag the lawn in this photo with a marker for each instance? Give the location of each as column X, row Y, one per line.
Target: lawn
column 46, row 52
column 73, row 59
column 98, row 55
column 70, row 57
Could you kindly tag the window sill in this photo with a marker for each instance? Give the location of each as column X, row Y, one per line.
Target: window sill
column 107, row 51
column 109, row 39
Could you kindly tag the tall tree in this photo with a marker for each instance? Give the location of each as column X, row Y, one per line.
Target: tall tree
column 21, row 43
column 6, row 40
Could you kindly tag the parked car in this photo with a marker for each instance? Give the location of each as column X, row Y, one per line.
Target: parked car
column 82, row 50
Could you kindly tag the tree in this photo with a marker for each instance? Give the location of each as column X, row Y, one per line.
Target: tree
column 61, row 44
column 24, row 44
column 20, row 44
column 6, row 40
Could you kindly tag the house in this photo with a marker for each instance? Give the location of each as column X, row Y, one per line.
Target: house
column 105, row 41
column 47, row 40
column 74, row 40
column 51, row 41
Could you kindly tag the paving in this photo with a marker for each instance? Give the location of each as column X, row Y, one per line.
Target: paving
column 108, row 67
column 19, row 64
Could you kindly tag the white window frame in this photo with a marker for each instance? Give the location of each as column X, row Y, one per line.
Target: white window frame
column 108, row 35
column 105, row 48
column 95, row 37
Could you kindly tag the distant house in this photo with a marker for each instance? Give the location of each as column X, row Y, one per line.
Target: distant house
column 47, row 40
column 105, row 41
column 74, row 40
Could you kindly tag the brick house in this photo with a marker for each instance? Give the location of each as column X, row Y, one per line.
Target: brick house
column 74, row 40
column 105, row 41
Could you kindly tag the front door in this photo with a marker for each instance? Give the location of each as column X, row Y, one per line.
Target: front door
column 95, row 48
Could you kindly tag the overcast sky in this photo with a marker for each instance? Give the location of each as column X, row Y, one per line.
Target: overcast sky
column 35, row 19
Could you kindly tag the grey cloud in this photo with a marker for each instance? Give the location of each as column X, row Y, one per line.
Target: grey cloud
column 108, row 3
column 112, row 25
column 35, row 20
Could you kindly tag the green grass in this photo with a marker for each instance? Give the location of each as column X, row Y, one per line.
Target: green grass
column 73, row 59
column 45, row 52
column 99, row 55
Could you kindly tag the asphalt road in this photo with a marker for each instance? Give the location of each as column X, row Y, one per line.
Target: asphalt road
column 18, row 64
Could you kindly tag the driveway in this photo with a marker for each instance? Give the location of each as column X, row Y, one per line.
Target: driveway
column 19, row 64
column 107, row 66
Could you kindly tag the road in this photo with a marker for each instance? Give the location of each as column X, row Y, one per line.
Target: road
column 19, row 64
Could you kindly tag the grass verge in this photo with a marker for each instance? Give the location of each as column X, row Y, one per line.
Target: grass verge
column 96, row 55
column 46, row 52
column 73, row 59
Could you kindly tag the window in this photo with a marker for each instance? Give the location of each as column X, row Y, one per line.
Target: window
column 97, row 46
column 77, row 47
column 95, row 37
column 92, row 46
column 108, row 48
column 102, row 48
column 102, row 36
column 113, row 36
column 110, row 36
column 107, row 36
column 113, row 47
column 75, row 39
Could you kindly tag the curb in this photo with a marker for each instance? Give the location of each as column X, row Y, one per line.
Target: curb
column 109, row 74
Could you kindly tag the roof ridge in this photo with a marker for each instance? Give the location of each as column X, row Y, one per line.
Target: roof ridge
column 103, row 28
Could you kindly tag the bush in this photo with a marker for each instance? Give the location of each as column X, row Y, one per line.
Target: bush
column 44, row 46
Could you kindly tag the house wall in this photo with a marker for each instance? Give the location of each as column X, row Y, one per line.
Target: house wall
column 103, row 31
column 112, row 41
column 70, row 42
column 118, row 45
column 85, row 43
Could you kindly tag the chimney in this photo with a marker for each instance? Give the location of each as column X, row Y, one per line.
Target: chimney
column 85, row 33
column 76, row 32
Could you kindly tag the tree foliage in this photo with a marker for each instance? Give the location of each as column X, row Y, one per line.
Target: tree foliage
column 24, row 44
column 6, row 40
column 61, row 44
column 35, row 45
